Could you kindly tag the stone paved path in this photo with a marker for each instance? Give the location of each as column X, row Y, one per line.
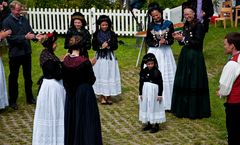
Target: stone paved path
column 120, row 125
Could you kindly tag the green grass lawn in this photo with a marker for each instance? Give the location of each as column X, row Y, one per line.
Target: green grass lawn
column 127, row 56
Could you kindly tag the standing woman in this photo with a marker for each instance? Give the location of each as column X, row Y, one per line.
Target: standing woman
column 159, row 39
column 190, row 92
column 106, row 69
column 82, row 119
column 48, row 126
column 77, row 27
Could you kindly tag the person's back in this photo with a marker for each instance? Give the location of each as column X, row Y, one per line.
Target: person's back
column 82, row 120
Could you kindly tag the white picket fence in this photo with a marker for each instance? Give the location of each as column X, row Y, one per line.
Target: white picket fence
column 45, row 20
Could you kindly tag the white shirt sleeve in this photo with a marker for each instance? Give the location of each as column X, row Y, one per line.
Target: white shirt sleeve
column 229, row 74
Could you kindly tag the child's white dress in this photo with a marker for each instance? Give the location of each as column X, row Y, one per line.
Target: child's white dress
column 151, row 110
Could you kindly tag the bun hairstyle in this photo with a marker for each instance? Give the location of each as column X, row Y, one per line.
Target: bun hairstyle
column 76, row 42
column 104, row 18
column 49, row 40
column 79, row 16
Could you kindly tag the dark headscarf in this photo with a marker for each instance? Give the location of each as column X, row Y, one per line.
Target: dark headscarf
column 149, row 57
column 50, row 40
column 47, row 53
column 105, row 18
column 79, row 16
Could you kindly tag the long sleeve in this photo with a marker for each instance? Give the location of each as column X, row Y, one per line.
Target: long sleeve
column 67, row 38
column 159, row 81
column 170, row 39
column 19, row 29
column 87, row 39
column 141, row 79
column 95, row 42
column 194, row 37
column 229, row 74
column 18, row 44
column 157, row 31
column 151, row 42
column 52, row 70
column 113, row 44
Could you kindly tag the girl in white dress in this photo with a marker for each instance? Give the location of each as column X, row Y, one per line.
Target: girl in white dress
column 159, row 39
column 108, row 82
column 151, row 107
column 48, row 127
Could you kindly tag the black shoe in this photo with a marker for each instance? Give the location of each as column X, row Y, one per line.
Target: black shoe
column 14, row 106
column 31, row 101
column 147, row 127
column 155, row 128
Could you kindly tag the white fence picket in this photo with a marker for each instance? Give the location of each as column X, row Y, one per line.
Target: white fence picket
column 46, row 20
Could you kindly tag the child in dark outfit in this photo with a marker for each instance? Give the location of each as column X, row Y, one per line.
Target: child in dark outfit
column 151, row 107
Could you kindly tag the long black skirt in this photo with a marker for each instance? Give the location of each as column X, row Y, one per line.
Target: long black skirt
column 190, row 91
column 82, row 120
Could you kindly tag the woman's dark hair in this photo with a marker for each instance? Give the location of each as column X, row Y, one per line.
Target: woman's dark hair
column 79, row 16
column 154, row 6
column 104, row 18
column 76, row 42
column 189, row 6
column 50, row 40
column 149, row 57
column 234, row 38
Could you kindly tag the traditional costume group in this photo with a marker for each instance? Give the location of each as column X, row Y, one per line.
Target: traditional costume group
column 67, row 111
column 68, row 117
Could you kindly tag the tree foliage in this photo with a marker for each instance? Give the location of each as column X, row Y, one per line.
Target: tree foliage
column 100, row 4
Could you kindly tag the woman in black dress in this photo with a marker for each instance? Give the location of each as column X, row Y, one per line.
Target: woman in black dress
column 190, row 91
column 82, row 120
